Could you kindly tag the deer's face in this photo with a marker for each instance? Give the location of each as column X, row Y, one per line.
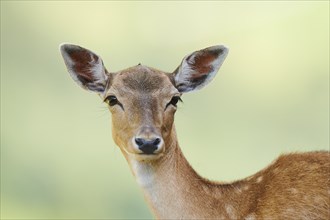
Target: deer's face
column 142, row 100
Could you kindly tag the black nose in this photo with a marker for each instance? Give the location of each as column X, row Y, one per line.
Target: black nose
column 147, row 146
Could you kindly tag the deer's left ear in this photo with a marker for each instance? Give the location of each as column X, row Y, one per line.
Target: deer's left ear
column 199, row 68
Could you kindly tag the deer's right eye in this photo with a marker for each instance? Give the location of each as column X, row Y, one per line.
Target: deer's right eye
column 111, row 100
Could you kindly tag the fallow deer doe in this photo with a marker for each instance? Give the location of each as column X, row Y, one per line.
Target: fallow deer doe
column 143, row 101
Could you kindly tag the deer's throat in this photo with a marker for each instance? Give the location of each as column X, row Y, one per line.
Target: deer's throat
column 144, row 172
column 167, row 184
column 158, row 172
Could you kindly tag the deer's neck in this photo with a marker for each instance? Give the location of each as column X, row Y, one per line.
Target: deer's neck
column 175, row 191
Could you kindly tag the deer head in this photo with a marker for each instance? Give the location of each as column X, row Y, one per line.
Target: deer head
column 143, row 100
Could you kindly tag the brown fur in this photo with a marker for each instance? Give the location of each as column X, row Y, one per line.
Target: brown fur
column 293, row 187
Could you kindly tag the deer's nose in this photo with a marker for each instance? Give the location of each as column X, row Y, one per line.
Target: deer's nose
column 148, row 146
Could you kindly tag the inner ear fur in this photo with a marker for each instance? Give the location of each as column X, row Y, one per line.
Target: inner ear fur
column 199, row 68
column 85, row 67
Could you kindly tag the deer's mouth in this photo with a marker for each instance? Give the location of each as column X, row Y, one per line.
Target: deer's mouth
column 147, row 157
column 141, row 156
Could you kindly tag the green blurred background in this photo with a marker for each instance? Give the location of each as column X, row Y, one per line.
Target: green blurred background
column 58, row 159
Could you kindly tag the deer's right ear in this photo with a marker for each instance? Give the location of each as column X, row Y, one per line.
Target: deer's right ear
column 85, row 67
column 199, row 68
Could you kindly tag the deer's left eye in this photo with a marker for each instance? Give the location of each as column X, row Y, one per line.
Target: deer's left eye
column 174, row 101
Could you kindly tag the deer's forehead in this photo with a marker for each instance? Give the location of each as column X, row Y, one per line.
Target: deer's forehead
column 141, row 80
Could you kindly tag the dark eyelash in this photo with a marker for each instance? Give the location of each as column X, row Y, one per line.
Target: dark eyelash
column 174, row 101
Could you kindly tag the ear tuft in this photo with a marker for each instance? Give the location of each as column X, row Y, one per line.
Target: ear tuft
column 85, row 67
column 199, row 68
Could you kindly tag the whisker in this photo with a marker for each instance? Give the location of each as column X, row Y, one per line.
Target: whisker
column 103, row 111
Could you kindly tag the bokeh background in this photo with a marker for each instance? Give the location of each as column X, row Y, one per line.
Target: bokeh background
column 58, row 160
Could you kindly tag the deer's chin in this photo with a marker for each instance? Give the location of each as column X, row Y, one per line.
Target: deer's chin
column 147, row 157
